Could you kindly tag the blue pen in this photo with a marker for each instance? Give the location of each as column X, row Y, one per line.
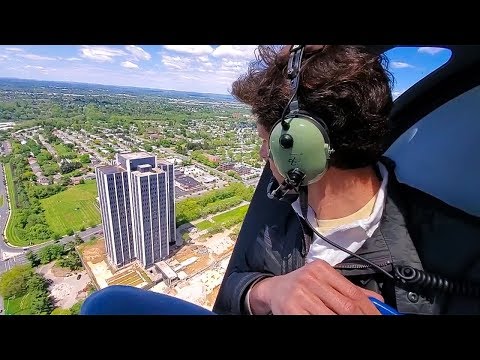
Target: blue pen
column 384, row 308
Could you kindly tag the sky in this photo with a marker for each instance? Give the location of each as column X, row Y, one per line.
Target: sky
column 197, row 68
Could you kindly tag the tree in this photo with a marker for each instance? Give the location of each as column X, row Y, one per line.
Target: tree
column 33, row 258
column 71, row 261
column 41, row 303
column 37, row 283
column 84, row 158
column 50, row 253
column 77, row 239
column 75, row 309
column 14, row 281
column 69, row 246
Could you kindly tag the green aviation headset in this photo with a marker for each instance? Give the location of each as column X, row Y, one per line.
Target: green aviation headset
column 299, row 142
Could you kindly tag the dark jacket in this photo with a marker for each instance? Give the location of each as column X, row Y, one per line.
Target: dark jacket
column 415, row 230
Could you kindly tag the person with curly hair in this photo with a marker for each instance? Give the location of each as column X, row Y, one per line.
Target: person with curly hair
column 355, row 203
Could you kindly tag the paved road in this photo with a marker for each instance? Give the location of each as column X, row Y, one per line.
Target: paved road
column 20, row 258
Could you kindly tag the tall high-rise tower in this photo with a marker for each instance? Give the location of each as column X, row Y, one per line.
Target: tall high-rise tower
column 138, row 210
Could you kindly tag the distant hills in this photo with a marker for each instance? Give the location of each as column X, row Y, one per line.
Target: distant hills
column 74, row 87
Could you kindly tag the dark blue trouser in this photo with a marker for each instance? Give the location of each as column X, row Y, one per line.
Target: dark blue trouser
column 128, row 300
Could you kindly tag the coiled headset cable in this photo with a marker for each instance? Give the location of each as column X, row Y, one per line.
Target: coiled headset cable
column 418, row 279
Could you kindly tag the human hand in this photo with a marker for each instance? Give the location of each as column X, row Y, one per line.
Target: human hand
column 316, row 288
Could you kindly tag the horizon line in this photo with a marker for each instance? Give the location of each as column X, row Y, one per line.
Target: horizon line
column 114, row 86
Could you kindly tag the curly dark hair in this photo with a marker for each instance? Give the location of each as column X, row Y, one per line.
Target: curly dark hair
column 346, row 86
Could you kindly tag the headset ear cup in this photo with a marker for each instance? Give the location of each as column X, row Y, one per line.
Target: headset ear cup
column 303, row 145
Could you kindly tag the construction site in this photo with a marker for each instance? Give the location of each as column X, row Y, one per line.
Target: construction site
column 193, row 272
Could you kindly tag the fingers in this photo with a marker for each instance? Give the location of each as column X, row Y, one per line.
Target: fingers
column 372, row 294
column 311, row 306
column 344, row 300
column 304, row 304
column 337, row 293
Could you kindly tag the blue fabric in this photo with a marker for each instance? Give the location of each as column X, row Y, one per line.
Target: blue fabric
column 128, row 300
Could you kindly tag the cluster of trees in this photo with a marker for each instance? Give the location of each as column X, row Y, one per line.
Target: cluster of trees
column 18, row 104
column 212, row 202
column 233, row 174
column 23, row 280
column 30, row 223
column 68, row 167
column 66, row 255
column 201, row 158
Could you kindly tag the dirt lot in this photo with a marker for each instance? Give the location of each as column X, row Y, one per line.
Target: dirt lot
column 65, row 288
column 95, row 258
column 204, row 262
column 94, row 251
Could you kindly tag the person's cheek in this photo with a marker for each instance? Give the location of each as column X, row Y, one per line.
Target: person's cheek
column 264, row 151
column 275, row 172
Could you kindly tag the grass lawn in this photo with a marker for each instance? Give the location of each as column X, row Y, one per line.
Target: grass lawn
column 1, row 200
column 232, row 214
column 63, row 150
column 72, row 208
column 203, row 225
column 19, row 306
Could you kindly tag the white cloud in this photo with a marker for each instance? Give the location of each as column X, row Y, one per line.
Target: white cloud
column 430, row 50
column 236, row 51
column 73, row 59
column 13, row 49
column 129, row 65
column 100, row 53
column 34, row 67
column 234, row 66
column 36, row 57
column 138, row 53
column 400, row 65
column 3, row 57
column 176, row 62
column 189, row 77
column 191, row 49
column 396, row 94
column 203, row 59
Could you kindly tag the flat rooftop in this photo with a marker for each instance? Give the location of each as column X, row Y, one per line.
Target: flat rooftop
column 148, row 172
column 135, row 155
column 110, row 169
column 166, row 270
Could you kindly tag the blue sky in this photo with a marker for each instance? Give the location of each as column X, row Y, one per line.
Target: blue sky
column 199, row 68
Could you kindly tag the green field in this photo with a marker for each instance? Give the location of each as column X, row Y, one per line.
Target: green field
column 203, row 225
column 232, row 214
column 1, row 200
column 73, row 208
column 236, row 215
column 19, row 306
column 64, row 151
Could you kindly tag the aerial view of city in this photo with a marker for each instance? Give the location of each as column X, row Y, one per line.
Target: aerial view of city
column 79, row 172
column 143, row 181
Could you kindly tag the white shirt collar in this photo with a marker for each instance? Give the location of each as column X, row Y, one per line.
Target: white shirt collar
column 369, row 224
